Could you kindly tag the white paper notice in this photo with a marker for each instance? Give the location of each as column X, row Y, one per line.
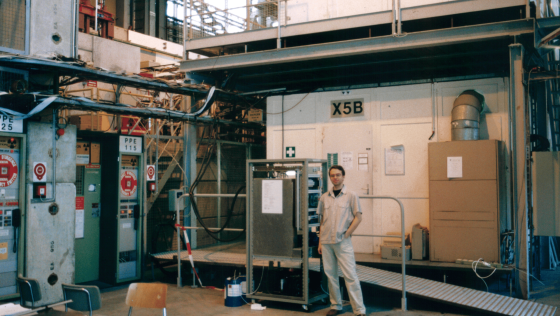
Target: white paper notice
column 272, row 196
column 454, row 167
column 394, row 160
column 362, row 167
column 79, row 233
column 82, row 159
column 347, row 160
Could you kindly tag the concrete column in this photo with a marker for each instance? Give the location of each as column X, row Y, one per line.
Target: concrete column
column 122, row 18
column 161, row 21
column 519, row 152
column 151, row 14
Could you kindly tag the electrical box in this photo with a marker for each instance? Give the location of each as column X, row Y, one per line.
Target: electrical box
column 12, row 154
column 546, row 193
column 175, row 200
column 121, row 221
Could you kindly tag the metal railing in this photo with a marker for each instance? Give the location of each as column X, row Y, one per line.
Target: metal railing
column 227, row 195
column 403, row 299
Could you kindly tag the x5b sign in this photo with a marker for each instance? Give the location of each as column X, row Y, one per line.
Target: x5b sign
column 346, row 108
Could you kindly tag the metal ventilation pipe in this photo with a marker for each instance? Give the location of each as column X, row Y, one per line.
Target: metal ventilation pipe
column 465, row 116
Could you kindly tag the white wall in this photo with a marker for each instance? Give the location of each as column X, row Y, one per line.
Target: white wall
column 400, row 115
column 312, row 10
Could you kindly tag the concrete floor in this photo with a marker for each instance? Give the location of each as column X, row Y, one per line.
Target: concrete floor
column 206, row 301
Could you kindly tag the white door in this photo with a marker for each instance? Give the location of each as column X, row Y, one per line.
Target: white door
column 352, row 144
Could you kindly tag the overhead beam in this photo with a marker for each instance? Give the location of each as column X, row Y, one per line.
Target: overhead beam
column 351, row 22
column 449, row 36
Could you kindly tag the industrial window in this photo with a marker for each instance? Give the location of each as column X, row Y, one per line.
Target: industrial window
column 13, row 25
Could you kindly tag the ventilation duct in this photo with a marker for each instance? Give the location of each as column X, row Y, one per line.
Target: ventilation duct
column 465, row 116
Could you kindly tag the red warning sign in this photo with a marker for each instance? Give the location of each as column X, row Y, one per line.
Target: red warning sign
column 151, row 172
column 39, row 171
column 128, row 183
column 8, row 170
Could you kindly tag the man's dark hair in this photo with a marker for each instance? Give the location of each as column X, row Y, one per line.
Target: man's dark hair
column 338, row 167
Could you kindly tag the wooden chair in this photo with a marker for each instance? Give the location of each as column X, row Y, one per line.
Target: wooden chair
column 84, row 298
column 147, row 295
column 29, row 291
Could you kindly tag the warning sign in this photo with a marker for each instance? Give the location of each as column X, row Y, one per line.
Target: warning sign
column 8, row 170
column 151, row 173
column 128, row 183
column 39, row 172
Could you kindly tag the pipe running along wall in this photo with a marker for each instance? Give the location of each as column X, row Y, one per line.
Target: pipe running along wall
column 465, row 116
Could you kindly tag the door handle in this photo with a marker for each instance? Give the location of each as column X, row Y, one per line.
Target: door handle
column 367, row 189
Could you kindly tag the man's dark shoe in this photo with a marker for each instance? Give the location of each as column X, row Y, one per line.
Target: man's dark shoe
column 334, row 312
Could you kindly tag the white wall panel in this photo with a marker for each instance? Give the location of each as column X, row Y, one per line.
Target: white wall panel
column 302, row 113
column 406, row 102
column 393, row 116
column 414, row 182
column 303, row 139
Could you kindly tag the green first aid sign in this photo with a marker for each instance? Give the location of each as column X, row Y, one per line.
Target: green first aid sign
column 290, row 152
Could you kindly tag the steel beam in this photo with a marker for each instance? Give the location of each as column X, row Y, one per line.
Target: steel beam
column 350, row 22
column 374, row 45
column 519, row 152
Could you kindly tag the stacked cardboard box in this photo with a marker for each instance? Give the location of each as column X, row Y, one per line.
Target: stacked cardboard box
column 467, row 200
column 91, row 122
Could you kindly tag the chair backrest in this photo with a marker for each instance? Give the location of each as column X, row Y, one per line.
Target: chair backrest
column 84, row 298
column 147, row 295
column 29, row 290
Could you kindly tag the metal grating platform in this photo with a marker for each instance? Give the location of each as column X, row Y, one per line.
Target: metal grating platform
column 419, row 287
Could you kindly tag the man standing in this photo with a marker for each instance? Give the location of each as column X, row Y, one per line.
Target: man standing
column 341, row 214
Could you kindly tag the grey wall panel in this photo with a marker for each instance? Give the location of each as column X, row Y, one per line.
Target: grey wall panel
column 39, row 149
column 50, row 242
column 273, row 234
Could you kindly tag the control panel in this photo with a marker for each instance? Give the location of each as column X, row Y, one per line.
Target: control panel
column 314, row 191
column 128, row 217
column 9, row 209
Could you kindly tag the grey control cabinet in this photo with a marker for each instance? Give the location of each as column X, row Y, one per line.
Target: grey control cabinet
column 280, row 219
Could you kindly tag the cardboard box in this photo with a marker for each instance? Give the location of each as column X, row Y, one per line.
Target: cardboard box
column 478, row 156
column 91, row 122
column 95, row 153
column 420, row 238
column 394, row 253
column 467, row 214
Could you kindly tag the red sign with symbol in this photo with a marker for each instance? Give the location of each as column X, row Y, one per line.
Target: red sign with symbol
column 151, row 172
column 128, row 183
column 39, row 172
column 8, row 170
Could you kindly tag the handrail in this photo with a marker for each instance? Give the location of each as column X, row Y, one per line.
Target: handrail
column 403, row 300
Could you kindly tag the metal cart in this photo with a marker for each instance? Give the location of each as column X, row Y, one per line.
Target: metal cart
column 282, row 197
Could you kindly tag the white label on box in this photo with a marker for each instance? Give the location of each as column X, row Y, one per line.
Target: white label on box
column 4, row 232
column 79, row 229
column 127, row 225
column 82, row 159
column 8, row 124
column 454, row 167
column 3, row 250
column 128, row 144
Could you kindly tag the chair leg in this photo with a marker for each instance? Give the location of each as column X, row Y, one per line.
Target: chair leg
column 164, row 312
column 130, row 311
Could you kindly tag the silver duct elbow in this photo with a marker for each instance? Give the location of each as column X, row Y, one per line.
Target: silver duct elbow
column 465, row 116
